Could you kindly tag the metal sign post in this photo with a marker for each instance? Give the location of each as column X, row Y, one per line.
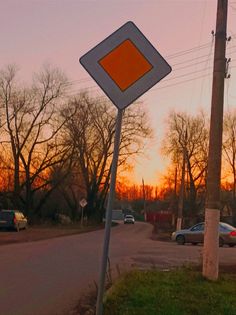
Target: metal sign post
column 83, row 203
column 101, row 286
column 82, row 217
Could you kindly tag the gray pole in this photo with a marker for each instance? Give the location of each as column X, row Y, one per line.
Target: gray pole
column 212, row 211
column 82, row 216
column 101, row 284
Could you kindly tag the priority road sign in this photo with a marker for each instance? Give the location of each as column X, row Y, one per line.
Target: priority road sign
column 83, row 203
column 125, row 65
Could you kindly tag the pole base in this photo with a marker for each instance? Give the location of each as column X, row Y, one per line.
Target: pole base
column 211, row 244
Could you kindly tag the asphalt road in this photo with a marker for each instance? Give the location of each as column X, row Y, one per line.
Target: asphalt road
column 47, row 277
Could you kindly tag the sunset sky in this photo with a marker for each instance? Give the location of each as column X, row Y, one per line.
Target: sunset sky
column 61, row 31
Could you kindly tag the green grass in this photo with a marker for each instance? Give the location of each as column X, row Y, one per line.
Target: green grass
column 177, row 292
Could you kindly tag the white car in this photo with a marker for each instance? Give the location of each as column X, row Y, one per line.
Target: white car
column 129, row 219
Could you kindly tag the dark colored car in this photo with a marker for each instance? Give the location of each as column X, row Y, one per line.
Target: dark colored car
column 195, row 235
column 12, row 219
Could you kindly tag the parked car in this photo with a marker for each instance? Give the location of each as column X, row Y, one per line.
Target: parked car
column 129, row 219
column 195, row 235
column 12, row 219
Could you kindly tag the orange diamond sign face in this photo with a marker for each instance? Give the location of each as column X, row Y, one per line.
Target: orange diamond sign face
column 125, row 65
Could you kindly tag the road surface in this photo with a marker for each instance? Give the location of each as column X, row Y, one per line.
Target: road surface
column 47, row 277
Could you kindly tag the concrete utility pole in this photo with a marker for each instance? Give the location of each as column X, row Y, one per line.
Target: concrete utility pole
column 212, row 211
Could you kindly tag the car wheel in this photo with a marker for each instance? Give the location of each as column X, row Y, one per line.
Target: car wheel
column 221, row 242
column 180, row 240
column 194, row 243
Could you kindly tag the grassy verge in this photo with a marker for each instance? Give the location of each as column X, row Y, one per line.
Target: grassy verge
column 176, row 292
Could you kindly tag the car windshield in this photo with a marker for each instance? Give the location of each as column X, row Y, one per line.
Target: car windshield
column 129, row 216
column 198, row 227
column 222, row 226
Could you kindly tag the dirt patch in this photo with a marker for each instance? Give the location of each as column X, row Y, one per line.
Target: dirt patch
column 223, row 268
column 159, row 234
column 36, row 233
column 86, row 304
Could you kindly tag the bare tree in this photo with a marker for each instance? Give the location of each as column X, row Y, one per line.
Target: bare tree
column 91, row 131
column 31, row 126
column 229, row 146
column 187, row 136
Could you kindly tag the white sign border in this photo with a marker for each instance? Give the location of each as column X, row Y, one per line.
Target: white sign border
column 121, row 99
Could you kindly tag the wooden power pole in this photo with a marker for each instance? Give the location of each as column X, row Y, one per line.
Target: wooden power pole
column 212, row 211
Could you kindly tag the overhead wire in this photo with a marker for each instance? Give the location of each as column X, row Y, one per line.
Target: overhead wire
column 191, row 65
column 96, row 87
column 210, row 54
column 166, row 86
column 173, row 66
column 172, row 56
column 176, row 77
column 181, row 82
column 230, row 66
column 193, row 87
column 232, row 7
column 174, row 84
column 188, row 51
column 186, row 64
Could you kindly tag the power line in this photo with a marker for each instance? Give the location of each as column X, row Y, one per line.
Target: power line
column 189, row 73
column 174, row 84
column 196, row 58
column 191, row 65
column 232, row 7
column 180, row 68
column 84, row 80
column 188, row 51
column 169, row 85
column 175, row 55
column 181, row 82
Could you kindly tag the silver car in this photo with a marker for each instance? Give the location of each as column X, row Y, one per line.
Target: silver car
column 129, row 219
column 195, row 235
